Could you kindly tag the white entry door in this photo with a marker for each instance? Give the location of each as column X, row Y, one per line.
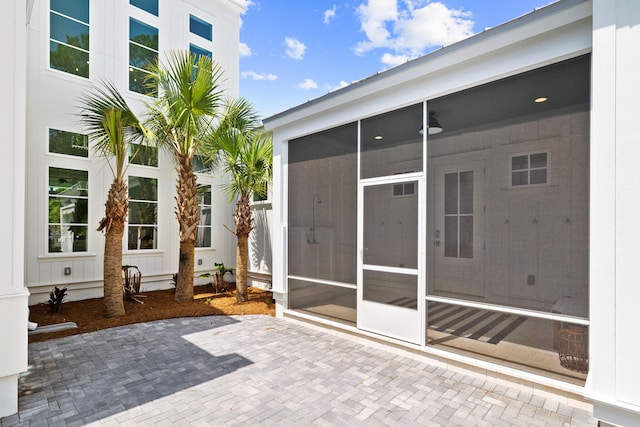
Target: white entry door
column 458, row 235
column 389, row 286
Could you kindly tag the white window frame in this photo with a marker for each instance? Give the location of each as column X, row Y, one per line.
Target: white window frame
column 201, row 205
column 146, row 18
column 195, row 39
column 154, row 226
column 529, row 169
column 59, row 196
column 49, row 39
column 404, row 194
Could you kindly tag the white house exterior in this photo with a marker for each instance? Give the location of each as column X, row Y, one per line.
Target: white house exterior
column 63, row 247
column 500, row 236
column 55, row 52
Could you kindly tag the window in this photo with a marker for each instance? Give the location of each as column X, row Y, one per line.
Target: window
column 145, row 155
column 200, row 27
column 143, row 213
column 199, row 52
column 68, row 210
column 203, row 234
column 143, row 51
column 150, row 6
column 458, row 215
column 529, row 169
column 404, row 189
column 69, row 36
column 69, row 143
column 201, row 165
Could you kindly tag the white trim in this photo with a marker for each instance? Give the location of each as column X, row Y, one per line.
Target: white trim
column 396, row 270
column 323, row 282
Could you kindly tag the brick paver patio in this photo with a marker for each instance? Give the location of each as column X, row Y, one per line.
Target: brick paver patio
column 258, row 370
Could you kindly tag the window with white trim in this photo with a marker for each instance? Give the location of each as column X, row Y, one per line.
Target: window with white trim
column 145, row 155
column 203, row 233
column 142, row 227
column 200, row 37
column 143, row 52
column 68, row 210
column 529, row 169
column 68, row 143
column 69, row 36
column 149, row 6
column 405, row 188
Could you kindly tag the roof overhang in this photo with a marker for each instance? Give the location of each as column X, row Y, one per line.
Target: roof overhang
column 551, row 34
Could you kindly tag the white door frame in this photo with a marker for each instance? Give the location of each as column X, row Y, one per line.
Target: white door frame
column 477, row 264
column 393, row 321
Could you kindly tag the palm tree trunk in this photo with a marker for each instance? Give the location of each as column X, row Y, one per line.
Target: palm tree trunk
column 113, row 225
column 184, row 292
column 244, row 224
column 113, row 298
column 187, row 214
column 242, row 255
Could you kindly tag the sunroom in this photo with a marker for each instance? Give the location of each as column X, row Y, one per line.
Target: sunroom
column 444, row 204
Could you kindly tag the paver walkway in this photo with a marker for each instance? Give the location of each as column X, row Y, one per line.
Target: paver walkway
column 257, row 370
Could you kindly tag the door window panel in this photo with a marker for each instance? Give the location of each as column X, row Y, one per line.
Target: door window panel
column 458, row 221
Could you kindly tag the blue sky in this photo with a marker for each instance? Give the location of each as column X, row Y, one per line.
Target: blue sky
column 296, row 50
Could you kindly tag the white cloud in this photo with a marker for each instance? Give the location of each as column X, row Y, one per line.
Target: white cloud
column 410, row 27
column 393, row 60
column 308, row 84
column 245, row 50
column 295, row 48
column 329, row 14
column 258, row 76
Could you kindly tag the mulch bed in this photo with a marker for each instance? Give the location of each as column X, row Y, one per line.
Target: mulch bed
column 89, row 314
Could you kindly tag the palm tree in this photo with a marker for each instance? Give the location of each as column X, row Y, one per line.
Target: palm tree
column 188, row 100
column 246, row 154
column 112, row 125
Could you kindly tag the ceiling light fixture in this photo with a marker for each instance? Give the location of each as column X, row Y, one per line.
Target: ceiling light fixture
column 540, row 99
column 377, row 137
column 434, row 126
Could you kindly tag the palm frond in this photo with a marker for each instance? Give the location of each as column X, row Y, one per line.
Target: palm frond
column 111, row 124
column 189, row 99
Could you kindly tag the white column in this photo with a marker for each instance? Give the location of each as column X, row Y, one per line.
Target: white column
column 13, row 294
column 278, row 225
column 615, row 213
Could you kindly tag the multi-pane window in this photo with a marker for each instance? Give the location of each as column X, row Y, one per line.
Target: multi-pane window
column 146, row 155
column 68, row 210
column 69, row 36
column 529, row 169
column 200, row 27
column 69, row 143
column 203, row 233
column 143, row 213
column 201, row 35
column 143, row 52
column 458, row 214
column 404, row 189
column 150, row 6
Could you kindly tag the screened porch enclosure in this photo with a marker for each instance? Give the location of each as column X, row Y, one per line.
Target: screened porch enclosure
column 473, row 240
